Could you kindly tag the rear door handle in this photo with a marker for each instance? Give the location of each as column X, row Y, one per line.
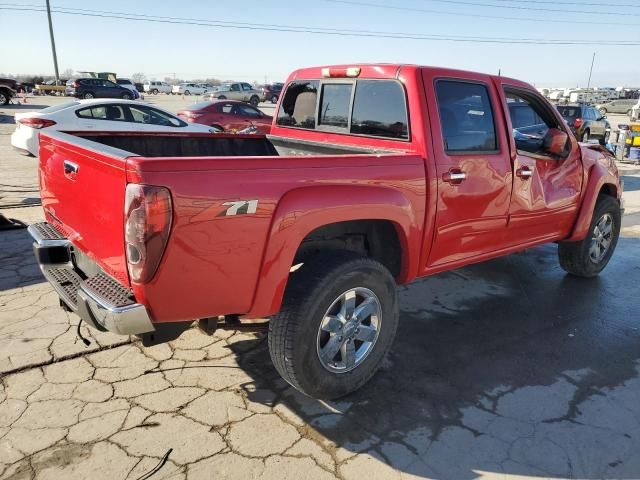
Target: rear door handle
column 454, row 176
column 525, row 173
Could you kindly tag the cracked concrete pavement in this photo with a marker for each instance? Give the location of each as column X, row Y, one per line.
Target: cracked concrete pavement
column 500, row 370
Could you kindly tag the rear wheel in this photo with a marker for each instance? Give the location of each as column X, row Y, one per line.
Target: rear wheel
column 4, row 98
column 337, row 322
column 274, row 99
column 88, row 95
column 254, row 101
column 187, row 92
column 588, row 257
column 126, row 96
column 154, row 91
column 603, row 111
column 222, row 97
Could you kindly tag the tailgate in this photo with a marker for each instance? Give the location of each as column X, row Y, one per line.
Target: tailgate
column 82, row 184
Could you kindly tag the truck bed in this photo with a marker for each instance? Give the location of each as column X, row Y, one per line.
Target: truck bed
column 214, row 253
column 219, row 145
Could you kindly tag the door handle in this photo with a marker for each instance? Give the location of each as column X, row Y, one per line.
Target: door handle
column 455, row 176
column 524, row 172
column 70, row 169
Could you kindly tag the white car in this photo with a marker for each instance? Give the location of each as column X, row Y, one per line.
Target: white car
column 156, row 87
column 189, row 89
column 634, row 116
column 102, row 115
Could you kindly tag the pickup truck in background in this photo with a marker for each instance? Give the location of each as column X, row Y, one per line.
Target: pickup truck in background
column 8, row 89
column 373, row 175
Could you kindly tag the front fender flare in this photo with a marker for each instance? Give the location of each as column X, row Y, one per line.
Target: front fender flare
column 598, row 178
column 305, row 209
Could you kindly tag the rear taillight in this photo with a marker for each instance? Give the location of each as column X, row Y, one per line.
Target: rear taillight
column 577, row 123
column 148, row 212
column 35, row 122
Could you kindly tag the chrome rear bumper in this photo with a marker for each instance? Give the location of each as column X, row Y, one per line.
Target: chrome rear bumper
column 99, row 300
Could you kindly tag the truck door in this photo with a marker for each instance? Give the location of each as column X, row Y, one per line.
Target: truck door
column 546, row 189
column 472, row 164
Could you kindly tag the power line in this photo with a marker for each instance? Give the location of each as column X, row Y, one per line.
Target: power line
column 536, row 9
column 558, row 3
column 478, row 15
column 328, row 31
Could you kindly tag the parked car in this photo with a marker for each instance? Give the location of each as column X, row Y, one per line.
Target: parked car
column 189, row 89
column 236, row 91
column 271, row 92
column 634, row 116
column 7, row 90
column 97, row 114
column 139, row 87
column 586, row 122
column 155, row 87
column 373, row 176
column 126, row 83
column 88, row 88
column 227, row 115
column 617, row 106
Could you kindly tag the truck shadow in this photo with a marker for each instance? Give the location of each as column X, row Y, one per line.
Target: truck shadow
column 501, row 367
column 18, row 267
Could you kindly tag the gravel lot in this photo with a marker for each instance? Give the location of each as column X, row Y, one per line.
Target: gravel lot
column 504, row 369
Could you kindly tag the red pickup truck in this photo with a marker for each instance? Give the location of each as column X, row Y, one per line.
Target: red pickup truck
column 373, row 175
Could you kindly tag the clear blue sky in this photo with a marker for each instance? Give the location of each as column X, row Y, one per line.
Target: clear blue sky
column 158, row 50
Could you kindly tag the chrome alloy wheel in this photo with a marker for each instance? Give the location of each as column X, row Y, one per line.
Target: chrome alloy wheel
column 601, row 238
column 349, row 330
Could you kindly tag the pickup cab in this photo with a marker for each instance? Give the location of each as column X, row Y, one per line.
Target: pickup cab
column 373, row 175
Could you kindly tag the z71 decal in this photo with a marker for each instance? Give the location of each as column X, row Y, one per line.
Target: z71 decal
column 239, row 207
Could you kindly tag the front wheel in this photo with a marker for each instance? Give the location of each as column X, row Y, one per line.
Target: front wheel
column 274, row 99
column 4, row 98
column 603, row 111
column 588, row 257
column 337, row 323
column 126, row 96
column 585, row 136
column 154, row 91
column 88, row 96
column 187, row 92
column 254, row 101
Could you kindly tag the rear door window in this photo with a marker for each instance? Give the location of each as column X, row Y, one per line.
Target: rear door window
column 298, row 107
column 334, row 105
column 379, row 109
column 466, row 117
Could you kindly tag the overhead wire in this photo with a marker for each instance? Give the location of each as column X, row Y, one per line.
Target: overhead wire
column 326, row 31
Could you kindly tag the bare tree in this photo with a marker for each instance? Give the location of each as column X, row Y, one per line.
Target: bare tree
column 138, row 77
column 67, row 74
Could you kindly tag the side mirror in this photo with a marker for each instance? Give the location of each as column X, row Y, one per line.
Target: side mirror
column 555, row 143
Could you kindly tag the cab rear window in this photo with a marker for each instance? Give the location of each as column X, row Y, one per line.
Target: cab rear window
column 377, row 108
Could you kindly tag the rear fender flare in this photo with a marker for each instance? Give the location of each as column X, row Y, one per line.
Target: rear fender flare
column 303, row 210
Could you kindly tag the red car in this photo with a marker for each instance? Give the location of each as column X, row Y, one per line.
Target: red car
column 227, row 115
column 373, row 176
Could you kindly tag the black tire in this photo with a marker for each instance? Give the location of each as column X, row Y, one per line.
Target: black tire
column 254, row 100
column 4, row 98
column 126, row 96
column 585, row 136
column 293, row 332
column 222, row 97
column 605, row 139
column 603, row 111
column 218, row 127
column 88, row 95
column 574, row 256
column 274, row 99
column 629, row 112
column 154, row 91
column 187, row 92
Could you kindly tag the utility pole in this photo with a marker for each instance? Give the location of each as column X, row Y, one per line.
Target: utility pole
column 591, row 70
column 53, row 44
